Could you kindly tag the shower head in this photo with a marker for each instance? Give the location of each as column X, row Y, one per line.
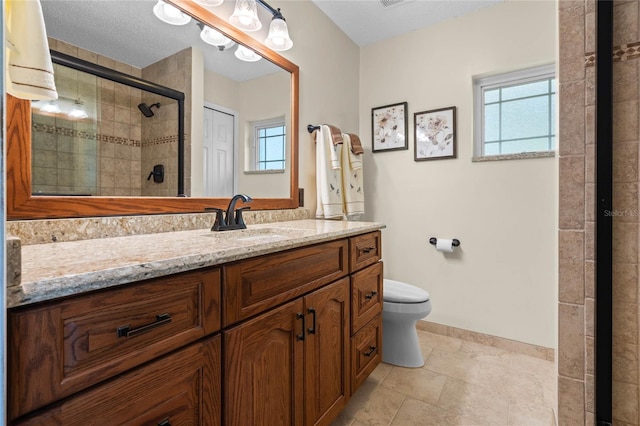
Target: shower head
column 146, row 109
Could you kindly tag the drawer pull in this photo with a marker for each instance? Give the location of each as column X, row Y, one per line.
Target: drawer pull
column 304, row 327
column 370, row 295
column 126, row 331
column 367, row 250
column 165, row 422
column 372, row 349
column 312, row 330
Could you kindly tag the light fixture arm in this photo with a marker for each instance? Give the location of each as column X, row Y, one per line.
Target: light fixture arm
column 275, row 12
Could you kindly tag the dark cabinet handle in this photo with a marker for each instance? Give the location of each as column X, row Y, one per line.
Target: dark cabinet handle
column 304, row 327
column 126, row 331
column 370, row 295
column 312, row 330
column 372, row 349
column 367, row 250
column 165, row 422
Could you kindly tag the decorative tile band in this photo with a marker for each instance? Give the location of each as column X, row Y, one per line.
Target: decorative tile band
column 621, row 53
column 65, row 131
column 161, row 140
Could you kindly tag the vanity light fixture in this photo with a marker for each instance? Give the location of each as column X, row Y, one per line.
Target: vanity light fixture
column 170, row 14
column 278, row 38
column 245, row 15
column 209, row 3
column 78, row 111
column 215, row 37
column 246, row 55
column 51, row 107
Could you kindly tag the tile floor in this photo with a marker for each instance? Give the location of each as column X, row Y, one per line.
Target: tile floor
column 462, row 383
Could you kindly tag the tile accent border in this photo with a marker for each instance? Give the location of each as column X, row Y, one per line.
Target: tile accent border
column 65, row 131
column 161, row 140
column 536, row 351
column 621, row 53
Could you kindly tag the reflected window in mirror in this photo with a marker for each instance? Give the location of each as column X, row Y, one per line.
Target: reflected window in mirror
column 269, row 141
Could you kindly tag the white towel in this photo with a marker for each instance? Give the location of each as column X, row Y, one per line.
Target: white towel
column 29, row 67
column 328, row 179
column 353, row 190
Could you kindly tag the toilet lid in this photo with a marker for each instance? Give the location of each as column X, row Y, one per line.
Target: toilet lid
column 399, row 292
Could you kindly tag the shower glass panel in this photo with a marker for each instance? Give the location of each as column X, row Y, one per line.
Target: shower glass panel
column 103, row 138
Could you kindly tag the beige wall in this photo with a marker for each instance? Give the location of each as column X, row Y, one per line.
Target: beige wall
column 329, row 73
column 263, row 99
column 502, row 280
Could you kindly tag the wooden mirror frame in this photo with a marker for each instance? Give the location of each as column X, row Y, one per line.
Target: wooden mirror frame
column 21, row 204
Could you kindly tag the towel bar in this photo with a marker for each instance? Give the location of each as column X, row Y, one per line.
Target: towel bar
column 311, row 128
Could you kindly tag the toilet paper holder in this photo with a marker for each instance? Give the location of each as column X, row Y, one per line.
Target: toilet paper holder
column 434, row 241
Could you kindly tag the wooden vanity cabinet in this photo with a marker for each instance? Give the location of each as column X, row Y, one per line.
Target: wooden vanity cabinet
column 365, row 253
column 290, row 364
column 182, row 388
column 300, row 330
column 60, row 348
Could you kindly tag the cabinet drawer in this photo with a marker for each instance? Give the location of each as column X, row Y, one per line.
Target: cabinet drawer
column 366, row 296
column 255, row 285
column 364, row 250
column 66, row 346
column 366, row 352
column 180, row 389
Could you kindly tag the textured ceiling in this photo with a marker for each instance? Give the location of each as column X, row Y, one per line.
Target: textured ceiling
column 368, row 21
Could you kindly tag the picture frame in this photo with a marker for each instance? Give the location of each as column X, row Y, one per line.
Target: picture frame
column 435, row 134
column 389, row 126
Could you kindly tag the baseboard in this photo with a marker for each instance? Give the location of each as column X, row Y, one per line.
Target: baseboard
column 489, row 340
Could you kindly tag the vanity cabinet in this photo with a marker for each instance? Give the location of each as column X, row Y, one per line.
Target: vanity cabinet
column 60, row 348
column 282, row 338
column 291, row 364
column 366, row 306
column 178, row 389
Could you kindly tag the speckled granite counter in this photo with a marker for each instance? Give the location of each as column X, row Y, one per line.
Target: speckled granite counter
column 66, row 268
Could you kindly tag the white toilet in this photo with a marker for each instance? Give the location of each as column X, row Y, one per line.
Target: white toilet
column 404, row 304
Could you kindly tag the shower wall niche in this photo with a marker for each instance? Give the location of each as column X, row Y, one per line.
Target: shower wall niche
column 96, row 140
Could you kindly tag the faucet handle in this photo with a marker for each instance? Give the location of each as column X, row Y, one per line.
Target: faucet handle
column 240, row 219
column 219, row 222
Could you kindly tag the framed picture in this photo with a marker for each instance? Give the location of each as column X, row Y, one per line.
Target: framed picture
column 435, row 134
column 389, row 127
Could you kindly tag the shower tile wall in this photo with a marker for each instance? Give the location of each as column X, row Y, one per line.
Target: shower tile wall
column 116, row 140
column 160, row 132
column 577, row 213
column 112, row 132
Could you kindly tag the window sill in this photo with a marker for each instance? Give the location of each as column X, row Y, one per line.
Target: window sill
column 521, row 156
column 264, row 172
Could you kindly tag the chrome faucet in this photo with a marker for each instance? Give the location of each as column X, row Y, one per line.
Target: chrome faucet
column 232, row 219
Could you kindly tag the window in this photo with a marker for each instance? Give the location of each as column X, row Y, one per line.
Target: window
column 515, row 112
column 270, row 138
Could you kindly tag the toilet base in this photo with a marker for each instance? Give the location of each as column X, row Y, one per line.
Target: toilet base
column 400, row 345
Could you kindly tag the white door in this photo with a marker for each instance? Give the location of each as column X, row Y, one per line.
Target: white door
column 218, row 153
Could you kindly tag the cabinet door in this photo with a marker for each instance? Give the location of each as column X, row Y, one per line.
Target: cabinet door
column 182, row 388
column 326, row 353
column 263, row 368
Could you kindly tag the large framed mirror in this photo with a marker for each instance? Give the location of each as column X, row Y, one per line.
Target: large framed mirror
column 266, row 92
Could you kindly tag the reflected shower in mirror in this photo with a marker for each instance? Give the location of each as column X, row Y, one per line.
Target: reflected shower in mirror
column 102, row 138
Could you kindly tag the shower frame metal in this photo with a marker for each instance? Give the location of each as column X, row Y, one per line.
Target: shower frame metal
column 138, row 83
column 604, row 220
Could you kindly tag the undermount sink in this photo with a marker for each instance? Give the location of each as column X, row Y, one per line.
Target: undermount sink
column 259, row 235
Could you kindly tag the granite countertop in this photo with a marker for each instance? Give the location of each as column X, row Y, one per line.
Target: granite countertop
column 61, row 269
